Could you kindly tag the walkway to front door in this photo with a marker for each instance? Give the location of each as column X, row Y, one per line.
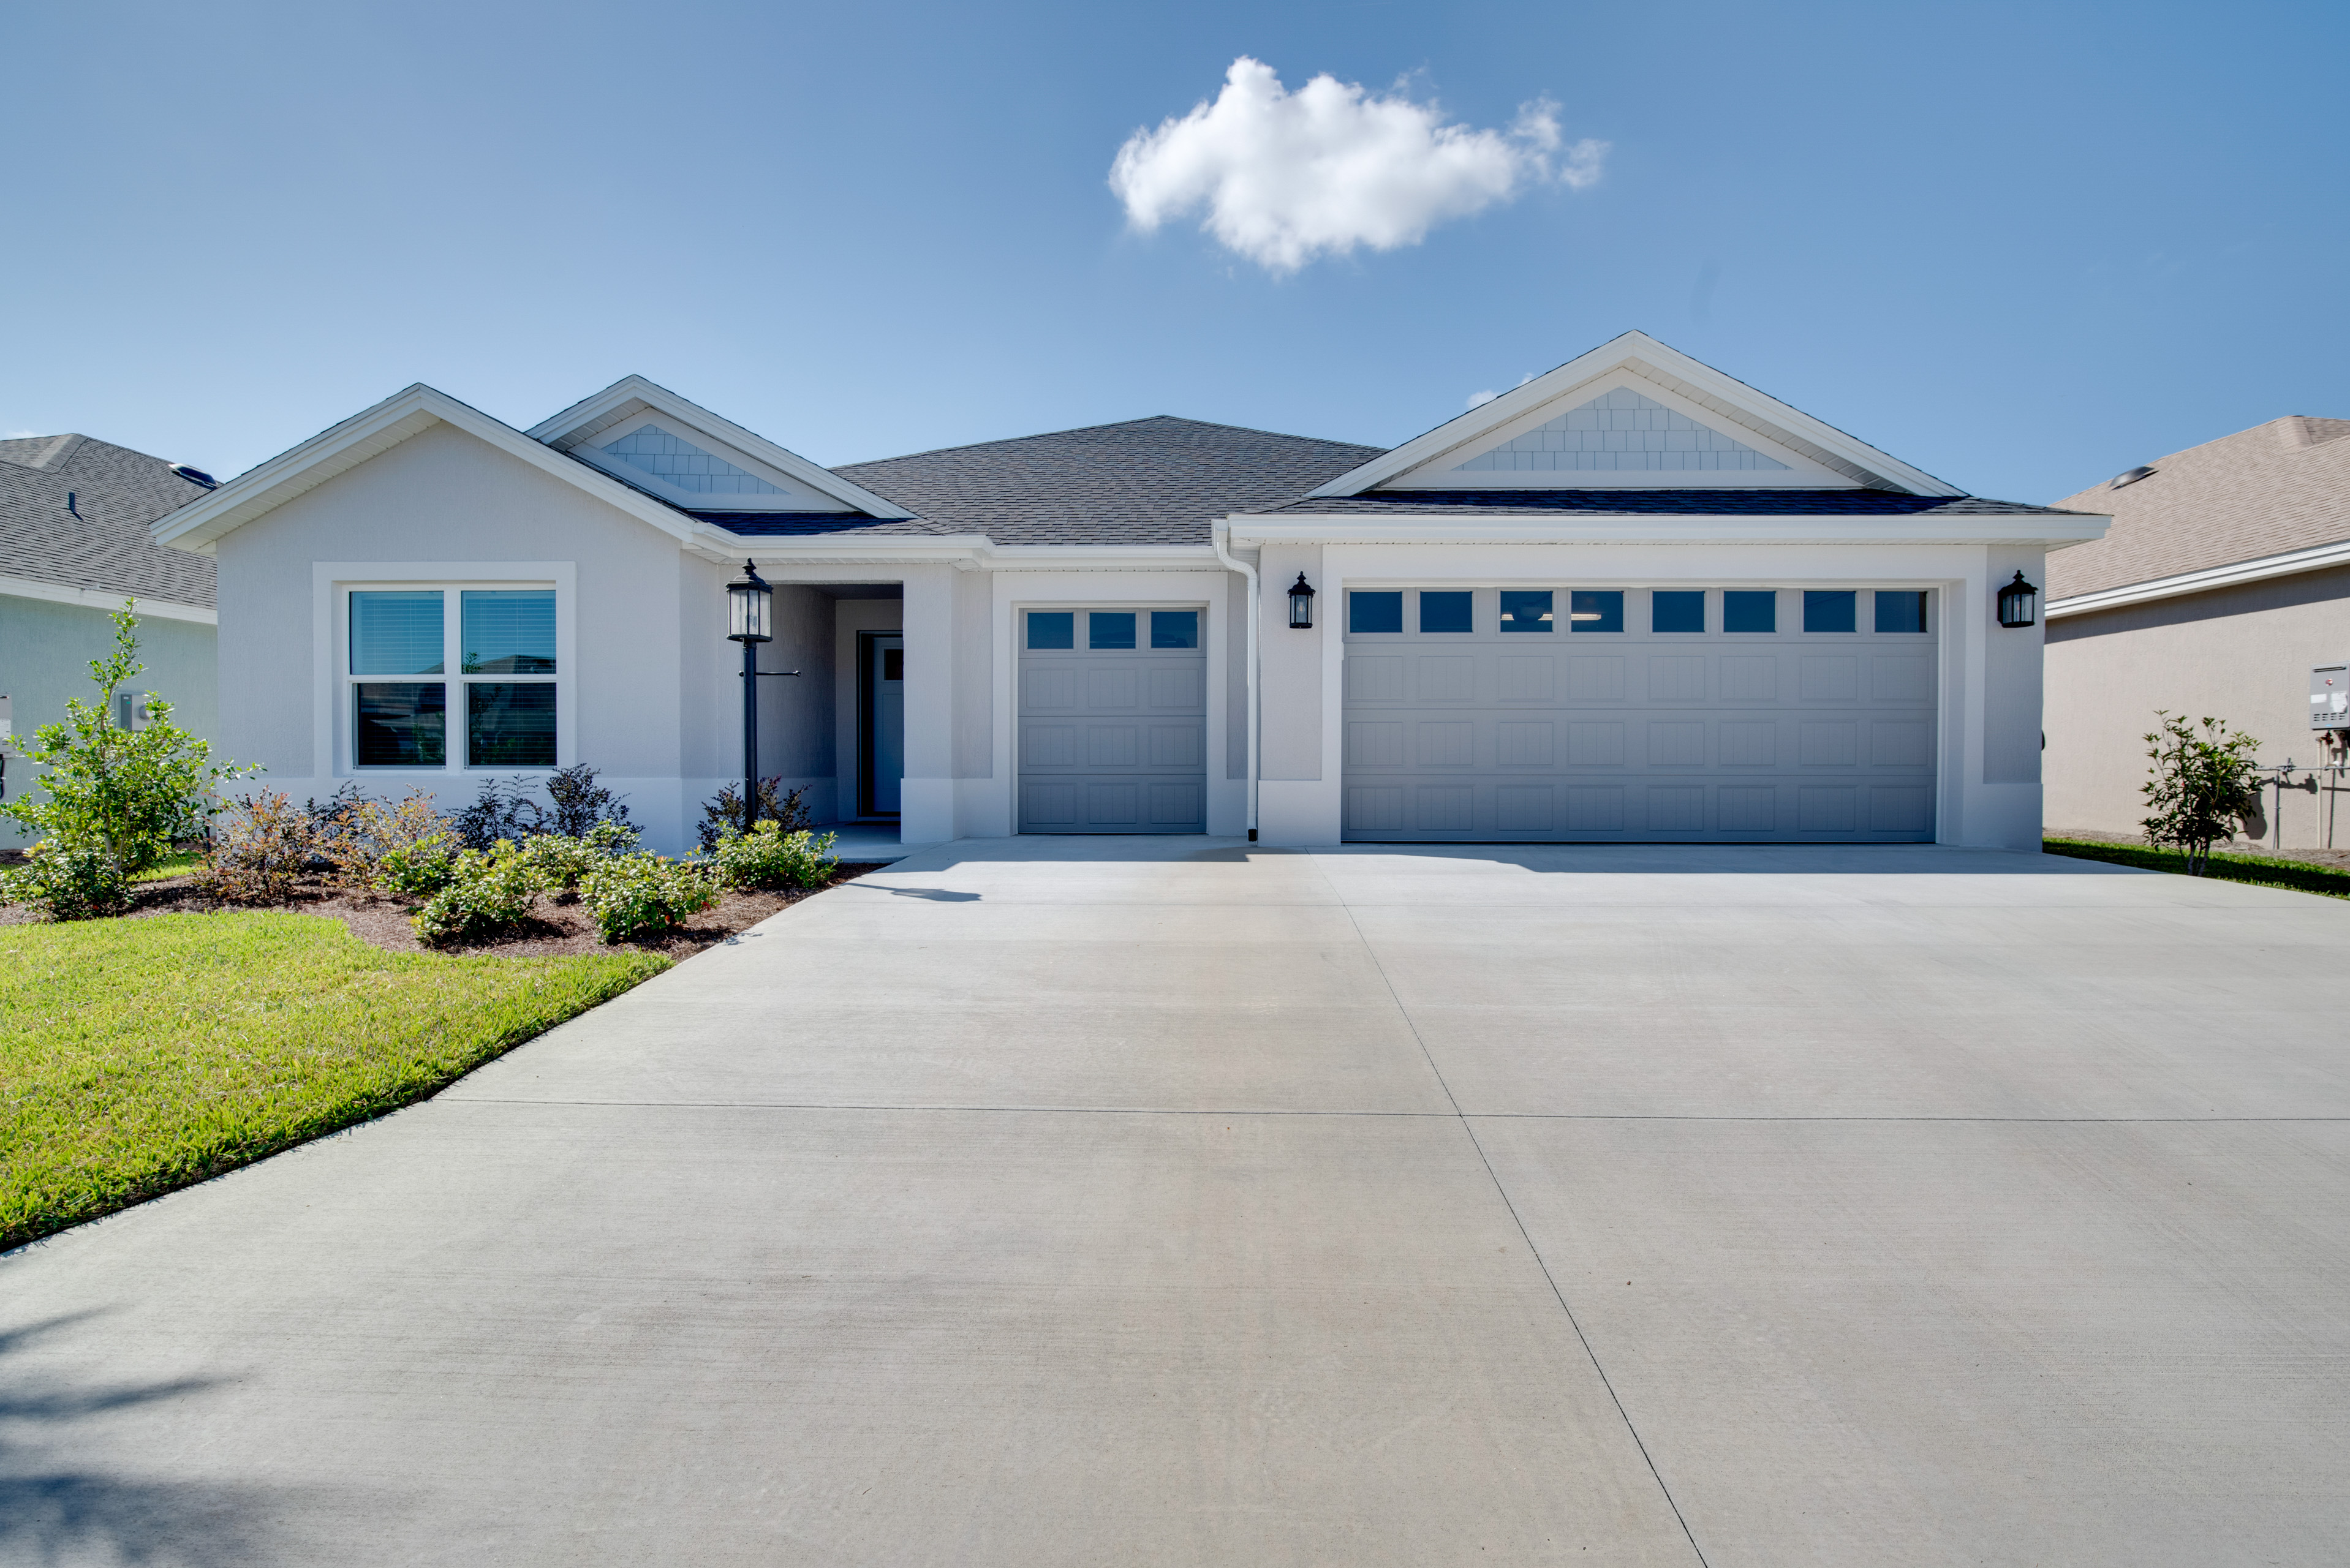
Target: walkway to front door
column 1162, row 1200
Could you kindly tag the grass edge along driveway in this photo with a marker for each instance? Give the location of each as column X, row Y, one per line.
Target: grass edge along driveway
column 140, row 1057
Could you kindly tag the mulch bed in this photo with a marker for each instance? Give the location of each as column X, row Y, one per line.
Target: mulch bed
column 554, row 928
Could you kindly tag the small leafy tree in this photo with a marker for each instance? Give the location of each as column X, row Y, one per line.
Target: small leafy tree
column 2202, row 785
column 126, row 796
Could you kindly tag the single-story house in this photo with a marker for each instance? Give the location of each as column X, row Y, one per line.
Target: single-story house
column 1634, row 600
column 2222, row 591
column 74, row 544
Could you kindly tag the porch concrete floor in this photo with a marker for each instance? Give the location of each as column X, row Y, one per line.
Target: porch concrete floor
column 1134, row 1202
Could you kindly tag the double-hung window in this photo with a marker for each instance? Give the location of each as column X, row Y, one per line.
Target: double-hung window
column 442, row 677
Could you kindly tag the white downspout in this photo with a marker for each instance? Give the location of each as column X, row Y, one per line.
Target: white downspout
column 1220, row 535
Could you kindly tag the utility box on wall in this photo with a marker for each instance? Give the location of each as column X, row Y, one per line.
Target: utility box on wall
column 2329, row 697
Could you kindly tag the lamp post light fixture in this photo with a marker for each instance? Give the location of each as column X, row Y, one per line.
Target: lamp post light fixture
column 750, row 622
column 1301, row 605
column 2019, row 602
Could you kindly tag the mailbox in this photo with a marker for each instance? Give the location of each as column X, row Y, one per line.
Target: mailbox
column 2329, row 697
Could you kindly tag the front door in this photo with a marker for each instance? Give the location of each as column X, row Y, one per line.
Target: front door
column 885, row 723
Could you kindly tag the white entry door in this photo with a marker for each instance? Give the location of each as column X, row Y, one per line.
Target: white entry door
column 1535, row 711
column 885, row 726
column 1113, row 721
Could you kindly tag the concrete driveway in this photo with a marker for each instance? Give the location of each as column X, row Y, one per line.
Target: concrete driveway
column 1141, row 1202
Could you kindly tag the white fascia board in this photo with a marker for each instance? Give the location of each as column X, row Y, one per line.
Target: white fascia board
column 104, row 600
column 1102, row 558
column 1975, row 529
column 1630, row 347
column 2315, row 558
column 636, row 388
column 201, row 523
column 929, row 549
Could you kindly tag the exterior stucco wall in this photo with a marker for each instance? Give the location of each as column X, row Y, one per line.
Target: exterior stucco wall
column 2241, row 653
column 46, row 650
column 443, row 505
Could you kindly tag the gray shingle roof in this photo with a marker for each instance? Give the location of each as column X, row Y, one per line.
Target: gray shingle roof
column 1160, row 481
column 2281, row 487
column 1659, row 503
column 102, row 544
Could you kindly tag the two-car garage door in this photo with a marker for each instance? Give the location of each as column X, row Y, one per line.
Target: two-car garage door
column 1551, row 713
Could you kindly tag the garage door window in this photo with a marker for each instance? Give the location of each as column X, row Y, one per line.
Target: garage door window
column 1525, row 610
column 1109, row 629
column 1677, row 610
column 1900, row 611
column 1373, row 613
column 1174, row 629
column 1600, row 609
column 1052, row 628
column 1447, row 611
column 1750, row 611
column 1831, row 610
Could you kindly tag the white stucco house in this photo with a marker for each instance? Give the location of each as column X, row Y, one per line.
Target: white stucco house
column 1634, row 600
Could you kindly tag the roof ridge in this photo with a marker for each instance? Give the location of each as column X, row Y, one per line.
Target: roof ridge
column 1104, row 425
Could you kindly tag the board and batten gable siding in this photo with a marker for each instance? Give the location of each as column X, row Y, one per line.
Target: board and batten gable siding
column 444, row 496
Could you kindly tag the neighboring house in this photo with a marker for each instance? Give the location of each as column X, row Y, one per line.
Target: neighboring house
column 2224, row 581
column 74, row 544
column 1632, row 600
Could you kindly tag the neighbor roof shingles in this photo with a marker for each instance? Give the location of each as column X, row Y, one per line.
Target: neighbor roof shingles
column 2281, row 487
column 102, row 545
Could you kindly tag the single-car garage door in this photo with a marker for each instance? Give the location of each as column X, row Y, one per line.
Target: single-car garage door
column 1539, row 713
column 1113, row 721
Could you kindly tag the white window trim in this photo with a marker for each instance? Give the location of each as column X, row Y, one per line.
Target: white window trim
column 333, row 731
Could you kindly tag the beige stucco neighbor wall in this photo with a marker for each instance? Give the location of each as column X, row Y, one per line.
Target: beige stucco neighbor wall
column 2243, row 654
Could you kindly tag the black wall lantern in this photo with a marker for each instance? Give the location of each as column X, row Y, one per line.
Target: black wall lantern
column 1301, row 605
column 749, row 619
column 2019, row 602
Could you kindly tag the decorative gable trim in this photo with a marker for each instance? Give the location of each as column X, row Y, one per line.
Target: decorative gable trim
column 1667, row 376
column 587, row 427
column 1622, row 431
column 199, row 525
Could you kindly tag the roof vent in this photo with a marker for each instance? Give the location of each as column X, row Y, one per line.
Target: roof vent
column 2132, row 477
column 195, row 476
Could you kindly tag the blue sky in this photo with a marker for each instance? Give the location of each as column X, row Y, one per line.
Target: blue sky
column 2023, row 247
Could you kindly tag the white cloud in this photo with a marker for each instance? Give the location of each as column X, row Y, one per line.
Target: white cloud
column 1479, row 399
column 1286, row 177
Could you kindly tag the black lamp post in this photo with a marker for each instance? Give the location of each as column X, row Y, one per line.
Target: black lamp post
column 748, row 602
column 2019, row 602
column 1301, row 605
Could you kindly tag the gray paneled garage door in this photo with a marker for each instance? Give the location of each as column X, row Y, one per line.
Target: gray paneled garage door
column 1113, row 721
column 1534, row 712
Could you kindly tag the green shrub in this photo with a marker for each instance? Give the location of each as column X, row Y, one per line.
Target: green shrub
column 69, row 880
column 564, row 860
column 722, row 813
column 2203, row 786
column 487, row 893
column 643, row 894
column 358, row 833
column 134, row 794
column 259, row 846
column 426, row 866
column 769, row 857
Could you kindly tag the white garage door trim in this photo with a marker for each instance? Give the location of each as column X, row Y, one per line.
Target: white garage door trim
column 1636, row 735
column 1113, row 718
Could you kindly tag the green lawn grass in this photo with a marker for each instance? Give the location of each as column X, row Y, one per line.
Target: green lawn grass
column 178, row 865
column 137, row 1056
column 2298, row 875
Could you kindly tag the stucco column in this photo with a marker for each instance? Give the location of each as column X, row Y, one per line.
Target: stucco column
column 1297, row 801
column 926, row 800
